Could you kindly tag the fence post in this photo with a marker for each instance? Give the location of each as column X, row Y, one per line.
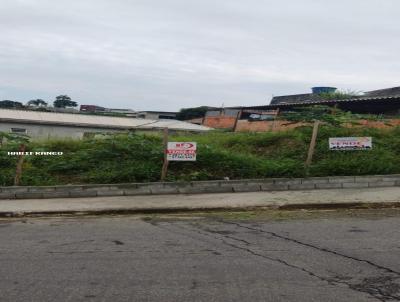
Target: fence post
column 165, row 163
column 238, row 116
column 273, row 126
column 18, row 170
column 312, row 144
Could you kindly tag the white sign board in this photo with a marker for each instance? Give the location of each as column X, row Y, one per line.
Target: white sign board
column 181, row 151
column 350, row 143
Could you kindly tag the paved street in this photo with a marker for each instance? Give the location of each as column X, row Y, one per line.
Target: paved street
column 351, row 255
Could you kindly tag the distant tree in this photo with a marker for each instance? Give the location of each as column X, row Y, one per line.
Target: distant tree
column 37, row 102
column 10, row 104
column 190, row 113
column 63, row 101
column 339, row 95
column 326, row 115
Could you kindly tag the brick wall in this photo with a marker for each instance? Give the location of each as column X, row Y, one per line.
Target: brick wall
column 265, row 126
column 220, row 122
column 377, row 124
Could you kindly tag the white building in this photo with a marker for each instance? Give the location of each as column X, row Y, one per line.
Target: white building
column 48, row 124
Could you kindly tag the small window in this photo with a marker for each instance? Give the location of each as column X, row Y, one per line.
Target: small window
column 18, row 130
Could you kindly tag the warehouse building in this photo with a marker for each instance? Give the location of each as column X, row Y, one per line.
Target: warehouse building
column 48, row 124
column 383, row 101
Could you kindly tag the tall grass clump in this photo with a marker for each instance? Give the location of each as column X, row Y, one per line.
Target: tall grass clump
column 132, row 157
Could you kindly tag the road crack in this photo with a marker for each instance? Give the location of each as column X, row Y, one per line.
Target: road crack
column 381, row 287
column 384, row 290
column 322, row 249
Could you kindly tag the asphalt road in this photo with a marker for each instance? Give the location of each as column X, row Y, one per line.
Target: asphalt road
column 271, row 256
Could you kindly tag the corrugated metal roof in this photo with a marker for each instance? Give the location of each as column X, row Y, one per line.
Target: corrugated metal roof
column 322, row 102
column 84, row 120
column 358, row 99
column 384, row 92
column 295, row 98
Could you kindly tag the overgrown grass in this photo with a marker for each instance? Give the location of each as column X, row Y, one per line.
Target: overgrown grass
column 138, row 158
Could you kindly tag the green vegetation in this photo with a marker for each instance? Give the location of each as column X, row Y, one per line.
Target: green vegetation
column 325, row 114
column 37, row 102
column 190, row 113
column 10, row 104
column 339, row 95
column 138, row 157
column 63, row 101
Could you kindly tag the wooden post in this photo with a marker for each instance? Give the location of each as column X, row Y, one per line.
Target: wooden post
column 238, row 116
column 165, row 163
column 312, row 144
column 18, row 170
column 275, row 118
column 334, row 109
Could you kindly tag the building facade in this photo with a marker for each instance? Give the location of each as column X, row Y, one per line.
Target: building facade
column 48, row 124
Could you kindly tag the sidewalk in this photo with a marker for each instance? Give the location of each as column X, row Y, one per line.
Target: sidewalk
column 180, row 202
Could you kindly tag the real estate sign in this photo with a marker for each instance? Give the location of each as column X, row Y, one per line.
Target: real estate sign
column 181, row 151
column 350, row 143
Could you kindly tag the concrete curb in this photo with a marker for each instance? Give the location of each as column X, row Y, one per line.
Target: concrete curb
column 199, row 187
column 177, row 210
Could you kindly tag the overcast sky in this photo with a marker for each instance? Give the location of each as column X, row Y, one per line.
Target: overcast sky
column 169, row 54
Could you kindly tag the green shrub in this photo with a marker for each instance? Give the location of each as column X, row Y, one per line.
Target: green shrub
column 138, row 157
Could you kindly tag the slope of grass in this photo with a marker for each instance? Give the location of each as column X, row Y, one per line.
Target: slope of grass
column 138, row 158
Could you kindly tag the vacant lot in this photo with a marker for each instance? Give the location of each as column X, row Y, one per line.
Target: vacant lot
column 138, row 158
